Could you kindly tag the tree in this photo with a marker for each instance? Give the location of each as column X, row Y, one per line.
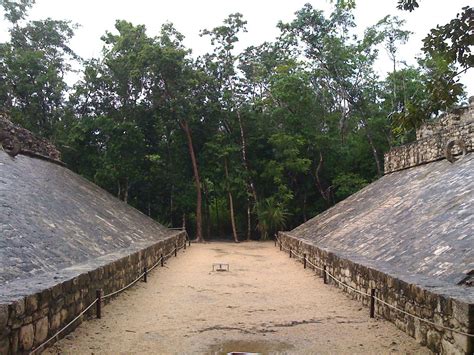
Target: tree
column 341, row 66
column 16, row 10
column 33, row 65
column 448, row 54
column 224, row 38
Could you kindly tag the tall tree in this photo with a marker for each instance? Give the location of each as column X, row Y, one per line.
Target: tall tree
column 33, row 66
column 224, row 38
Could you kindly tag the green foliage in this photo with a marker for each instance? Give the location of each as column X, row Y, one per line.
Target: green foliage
column 407, row 5
column 272, row 216
column 347, row 184
column 16, row 10
column 446, row 48
column 454, row 40
column 32, row 67
column 284, row 129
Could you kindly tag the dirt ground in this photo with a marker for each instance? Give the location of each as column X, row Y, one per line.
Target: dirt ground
column 265, row 303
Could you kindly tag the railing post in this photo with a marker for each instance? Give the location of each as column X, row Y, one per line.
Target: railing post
column 189, row 242
column 275, row 242
column 185, row 244
column 145, row 274
column 372, row 302
column 290, row 253
column 325, row 275
column 280, row 246
column 162, row 261
column 175, row 249
column 304, row 261
column 98, row 305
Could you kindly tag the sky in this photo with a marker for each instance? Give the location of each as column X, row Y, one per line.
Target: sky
column 189, row 17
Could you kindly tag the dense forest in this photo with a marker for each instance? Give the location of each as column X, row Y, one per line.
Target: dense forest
column 231, row 144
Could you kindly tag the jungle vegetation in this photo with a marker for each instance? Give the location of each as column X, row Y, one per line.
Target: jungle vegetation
column 231, row 143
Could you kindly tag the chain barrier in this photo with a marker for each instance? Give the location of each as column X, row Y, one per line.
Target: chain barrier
column 422, row 319
column 35, row 350
column 369, row 295
column 64, row 328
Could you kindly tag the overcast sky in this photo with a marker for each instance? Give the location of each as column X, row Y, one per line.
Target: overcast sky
column 189, row 17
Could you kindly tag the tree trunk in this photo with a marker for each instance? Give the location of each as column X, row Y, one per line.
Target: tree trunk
column 207, row 210
column 123, row 187
column 184, row 125
column 231, row 203
column 304, row 207
column 249, row 220
column 250, row 185
column 325, row 193
column 125, row 194
column 374, row 149
column 219, row 228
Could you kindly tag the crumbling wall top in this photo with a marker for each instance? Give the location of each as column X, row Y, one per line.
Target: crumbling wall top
column 12, row 135
column 448, row 121
column 454, row 130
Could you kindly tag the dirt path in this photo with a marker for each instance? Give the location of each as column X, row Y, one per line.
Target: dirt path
column 266, row 303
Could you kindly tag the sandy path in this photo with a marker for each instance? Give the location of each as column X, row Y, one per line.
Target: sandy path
column 267, row 302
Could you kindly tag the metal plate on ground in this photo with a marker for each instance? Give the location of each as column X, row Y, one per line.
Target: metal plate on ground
column 220, row 267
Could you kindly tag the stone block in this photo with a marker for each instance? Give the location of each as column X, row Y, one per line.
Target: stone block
column 420, row 332
column 55, row 321
column 40, row 314
column 41, row 330
column 31, row 304
column 463, row 342
column 26, row 337
column 77, row 296
column 64, row 315
column 18, row 307
column 3, row 316
column 57, row 291
column 4, row 345
column 461, row 312
column 14, row 341
column 433, row 340
column 45, row 298
column 449, row 348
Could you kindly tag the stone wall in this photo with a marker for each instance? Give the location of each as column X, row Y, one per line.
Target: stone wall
column 29, row 143
column 27, row 322
column 412, row 298
column 432, row 139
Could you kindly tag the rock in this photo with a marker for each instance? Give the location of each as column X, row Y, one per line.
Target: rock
column 41, row 330
column 3, row 316
column 64, row 315
column 28, row 141
column 432, row 340
column 4, row 345
column 26, row 337
column 19, row 307
column 31, row 304
column 449, row 348
column 55, row 321
column 463, row 342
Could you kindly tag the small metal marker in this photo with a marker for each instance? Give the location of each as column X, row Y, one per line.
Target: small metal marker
column 220, row 267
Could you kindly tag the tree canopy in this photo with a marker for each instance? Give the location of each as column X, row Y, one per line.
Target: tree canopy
column 231, row 143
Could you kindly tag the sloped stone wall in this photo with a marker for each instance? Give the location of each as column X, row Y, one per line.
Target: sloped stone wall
column 442, row 310
column 28, row 321
column 432, row 139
